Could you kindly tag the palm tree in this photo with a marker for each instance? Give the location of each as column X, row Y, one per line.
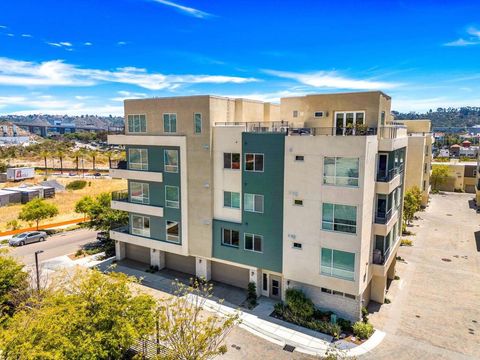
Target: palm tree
column 44, row 154
column 109, row 154
column 61, row 154
column 94, row 155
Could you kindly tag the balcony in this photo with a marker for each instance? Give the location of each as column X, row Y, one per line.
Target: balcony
column 392, row 137
column 120, row 170
column 121, row 201
column 384, row 223
column 332, row 131
column 387, row 176
column 389, row 180
column 381, row 261
column 382, row 217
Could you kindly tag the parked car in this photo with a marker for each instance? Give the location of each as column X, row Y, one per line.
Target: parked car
column 27, row 238
column 97, row 174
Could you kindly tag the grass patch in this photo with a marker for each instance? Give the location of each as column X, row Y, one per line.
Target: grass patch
column 76, row 185
column 406, row 242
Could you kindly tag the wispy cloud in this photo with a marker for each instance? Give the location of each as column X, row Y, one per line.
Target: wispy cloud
column 473, row 38
column 128, row 95
column 121, row 43
column 3, row 27
column 185, row 9
column 58, row 73
column 88, row 43
column 332, row 80
column 11, row 34
column 26, row 35
column 62, row 44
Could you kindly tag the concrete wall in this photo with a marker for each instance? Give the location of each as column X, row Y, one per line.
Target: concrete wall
column 373, row 103
column 304, row 180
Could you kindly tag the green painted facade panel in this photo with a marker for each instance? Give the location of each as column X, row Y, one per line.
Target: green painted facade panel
column 268, row 224
column 157, row 190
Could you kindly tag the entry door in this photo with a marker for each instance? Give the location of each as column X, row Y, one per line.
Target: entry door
column 340, row 124
column 382, row 165
column 275, row 287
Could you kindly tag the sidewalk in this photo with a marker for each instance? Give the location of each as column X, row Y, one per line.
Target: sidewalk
column 258, row 321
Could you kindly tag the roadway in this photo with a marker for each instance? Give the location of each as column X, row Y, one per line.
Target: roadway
column 56, row 245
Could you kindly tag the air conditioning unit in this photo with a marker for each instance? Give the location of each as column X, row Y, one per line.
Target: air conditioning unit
column 319, row 114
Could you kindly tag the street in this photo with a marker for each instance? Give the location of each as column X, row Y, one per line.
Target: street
column 56, row 245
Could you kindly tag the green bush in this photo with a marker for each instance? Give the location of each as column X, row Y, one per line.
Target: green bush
column 406, row 242
column 364, row 314
column 76, row 185
column 298, row 304
column 346, row 325
column 362, row 330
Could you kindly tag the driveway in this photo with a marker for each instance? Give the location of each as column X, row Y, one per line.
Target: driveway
column 435, row 306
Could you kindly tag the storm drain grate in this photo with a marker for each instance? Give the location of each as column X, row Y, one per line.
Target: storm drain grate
column 288, row 348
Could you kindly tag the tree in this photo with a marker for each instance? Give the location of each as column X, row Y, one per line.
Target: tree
column 13, row 284
column 84, row 205
column 186, row 331
column 37, row 210
column 102, row 216
column 88, row 315
column 412, row 202
column 439, row 175
column 94, row 155
column 45, row 154
column 61, row 154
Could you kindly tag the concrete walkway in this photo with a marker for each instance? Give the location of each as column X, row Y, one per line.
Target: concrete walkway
column 257, row 321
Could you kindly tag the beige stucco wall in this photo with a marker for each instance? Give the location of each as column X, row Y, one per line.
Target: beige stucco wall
column 455, row 178
column 271, row 112
column 227, row 139
column 373, row 103
column 304, row 180
column 248, row 110
column 417, row 126
column 415, row 162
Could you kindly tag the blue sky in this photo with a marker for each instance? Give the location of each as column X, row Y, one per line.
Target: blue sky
column 85, row 57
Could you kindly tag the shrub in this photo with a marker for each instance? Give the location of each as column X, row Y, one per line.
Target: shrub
column 406, row 242
column 279, row 309
column 76, row 185
column 362, row 330
column 364, row 314
column 345, row 324
column 13, row 224
column 299, row 305
column 252, row 290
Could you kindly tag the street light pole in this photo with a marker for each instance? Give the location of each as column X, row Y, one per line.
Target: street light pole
column 36, row 267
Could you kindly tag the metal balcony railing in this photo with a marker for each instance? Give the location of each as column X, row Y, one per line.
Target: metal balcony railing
column 388, row 176
column 333, row 131
column 383, row 217
column 379, row 257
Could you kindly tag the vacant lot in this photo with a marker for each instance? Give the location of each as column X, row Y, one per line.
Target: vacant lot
column 64, row 200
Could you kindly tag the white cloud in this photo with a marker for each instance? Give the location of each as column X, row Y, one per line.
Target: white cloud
column 473, row 39
column 26, row 35
column 121, row 43
column 3, row 27
column 129, row 95
column 185, row 9
column 66, row 43
column 332, row 80
column 88, row 43
column 10, row 34
column 62, row 44
column 58, row 73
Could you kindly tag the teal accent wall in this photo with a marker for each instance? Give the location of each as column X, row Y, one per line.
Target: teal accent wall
column 157, row 190
column 269, row 224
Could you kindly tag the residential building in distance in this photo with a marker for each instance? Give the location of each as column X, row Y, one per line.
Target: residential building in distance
column 304, row 195
column 419, row 156
column 462, row 176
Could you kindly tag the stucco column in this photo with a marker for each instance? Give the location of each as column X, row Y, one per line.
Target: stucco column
column 379, row 285
column 157, row 258
column 203, row 268
column 255, row 276
column 391, row 269
column 119, row 250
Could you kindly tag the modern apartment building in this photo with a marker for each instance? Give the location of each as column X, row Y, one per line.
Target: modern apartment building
column 419, row 158
column 307, row 194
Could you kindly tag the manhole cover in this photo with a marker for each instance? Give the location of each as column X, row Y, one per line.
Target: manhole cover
column 446, row 260
column 289, row 348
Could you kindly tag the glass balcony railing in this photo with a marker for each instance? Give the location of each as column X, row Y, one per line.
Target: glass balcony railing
column 120, row 164
column 387, row 176
column 120, row 195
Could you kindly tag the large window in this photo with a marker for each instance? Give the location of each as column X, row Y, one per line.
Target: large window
column 170, row 123
column 253, row 203
column 254, row 162
column 253, row 242
column 171, row 161
column 347, row 122
column 340, row 264
column 172, row 197
column 197, row 123
column 139, row 193
column 341, row 218
column 141, row 225
column 340, row 171
column 138, row 159
column 231, row 161
column 231, row 199
column 230, row 237
column 137, row 123
column 172, row 231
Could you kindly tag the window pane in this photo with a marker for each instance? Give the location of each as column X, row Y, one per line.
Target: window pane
column 166, row 123
column 326, row 261
column 226, row 236
column 359, row 119
column 258, row 162
column 235, row 200
column 249, row 160
column 227, row 160
column 134, row 155
column 248, row 242
column 236, row 161
column 172, row 230
column 173, row 122
column 347, row 167
column 329, row 166
column 248, row 202
column 259, row 203
column 227, row 199
column 235, row 238
column 327, row 212
column 171, row 160
column 345, row 214
column 258, row 243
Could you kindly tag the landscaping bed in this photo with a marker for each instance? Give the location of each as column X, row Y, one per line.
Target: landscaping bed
column 299, row 310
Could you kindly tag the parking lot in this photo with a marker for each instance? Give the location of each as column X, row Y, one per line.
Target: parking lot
column 435, row 305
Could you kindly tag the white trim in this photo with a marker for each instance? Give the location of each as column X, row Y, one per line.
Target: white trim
column 169, row 122
column 254, row 211
column 136, row 132
column 178, row 240
column 143, row 166
column 165, row 162
column 140, row 231
column 143, row 184
column 253, row 243
column 172, row 201
column 230, row 245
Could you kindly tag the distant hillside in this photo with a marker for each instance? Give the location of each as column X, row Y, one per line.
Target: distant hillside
column 82, row 120
column 446, row 117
